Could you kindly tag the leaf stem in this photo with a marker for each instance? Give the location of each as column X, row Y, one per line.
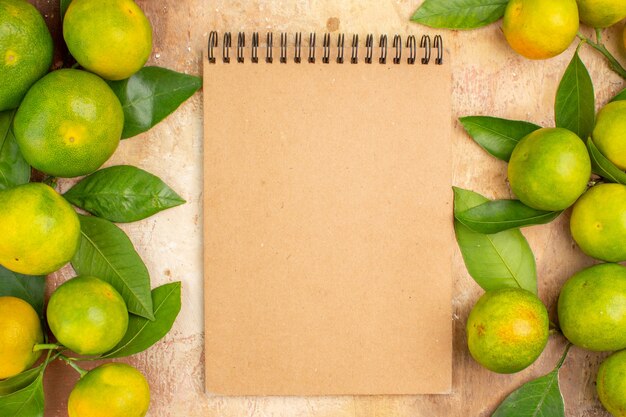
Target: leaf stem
column 71, row 363
column 599, row 46
column 562, row 360
column 47, row 346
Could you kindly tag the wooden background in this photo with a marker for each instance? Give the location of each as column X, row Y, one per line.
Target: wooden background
column 488, row 78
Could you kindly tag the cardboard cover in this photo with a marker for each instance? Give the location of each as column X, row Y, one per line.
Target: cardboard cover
column 327, row 228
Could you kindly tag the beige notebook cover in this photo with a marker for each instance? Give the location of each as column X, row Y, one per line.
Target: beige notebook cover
column 327, row 224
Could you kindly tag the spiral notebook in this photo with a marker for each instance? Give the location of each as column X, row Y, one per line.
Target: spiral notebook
column 327, row 215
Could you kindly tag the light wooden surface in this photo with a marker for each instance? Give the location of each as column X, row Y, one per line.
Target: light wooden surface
column 488, row 78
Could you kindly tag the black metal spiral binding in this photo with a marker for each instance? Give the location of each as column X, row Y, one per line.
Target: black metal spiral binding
column 255, row 48
column 369, row 48
column 397, row 44
column 326, row 45
column 270, row 40
column 354, row 59
column 411, row 44
column 312, row 37
column 439, row 45
column 340, row 45
column 212, row 44
column 298, row 48
column 426, row 43
column 383, row 49
column 226, row 47
column 241, row 43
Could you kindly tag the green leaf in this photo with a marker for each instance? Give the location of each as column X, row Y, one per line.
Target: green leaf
column 106, row 252
column 14, row 170
column 123, row 194
column 29, row 288
column 538, row 398
column 142, row 333
column 459, row 14
column 64, row 5
column 150, row 95
column 27, row 402
column 497, row 136
column 575, row 102
column 500, row 260
column 603, row 167
column 620, row 96
column 18, row 382
column 497, row 216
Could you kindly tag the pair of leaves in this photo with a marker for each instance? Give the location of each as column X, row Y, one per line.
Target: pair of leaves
column 29, row 288
column 500, row 260
column 539, row 398
column 14, row 170
column 22, row 395
column 123, row 194
column 150, row 95
column 459, row 14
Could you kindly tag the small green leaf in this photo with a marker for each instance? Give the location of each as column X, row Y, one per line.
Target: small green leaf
column 497, row 136
column 603, row 167
column 500, row 260
column 150, row 95
column 26, row 402
column 575, row 102
column 142, row 333
column 620, row 96
column 538, row 398
column 106, row 252
column 29, row 288
column 64, row 5
column 459, row 14
column 123, row 194
column 14, row 170
column 18, row 382
column 497, row 216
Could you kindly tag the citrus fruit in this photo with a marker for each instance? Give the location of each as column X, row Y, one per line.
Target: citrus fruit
column 110, row 390
column 611, row 384
column 507, row 330
column 20, row 330
column 25, row 50
column 609, row 133
column 87, row 315
column 598, row 222
column 592, row 308
column 69, row 123
column 540, row 29
column 40, row 230
column 112, row 38
column 549, row 169
column 601, row 13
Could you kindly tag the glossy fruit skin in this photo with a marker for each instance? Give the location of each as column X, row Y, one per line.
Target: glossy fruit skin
column 549, row 169
column 112, row 38
column 592, row 308
column 69, row 123
column 507, row 330
column 26, row 50
column 110, row 390
column 598, row 222
column 540, row 29
column 611, row 384
column 87, row 315
column 40, row 230
column 20, row 330
column 601, row 13
column 609, row 133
